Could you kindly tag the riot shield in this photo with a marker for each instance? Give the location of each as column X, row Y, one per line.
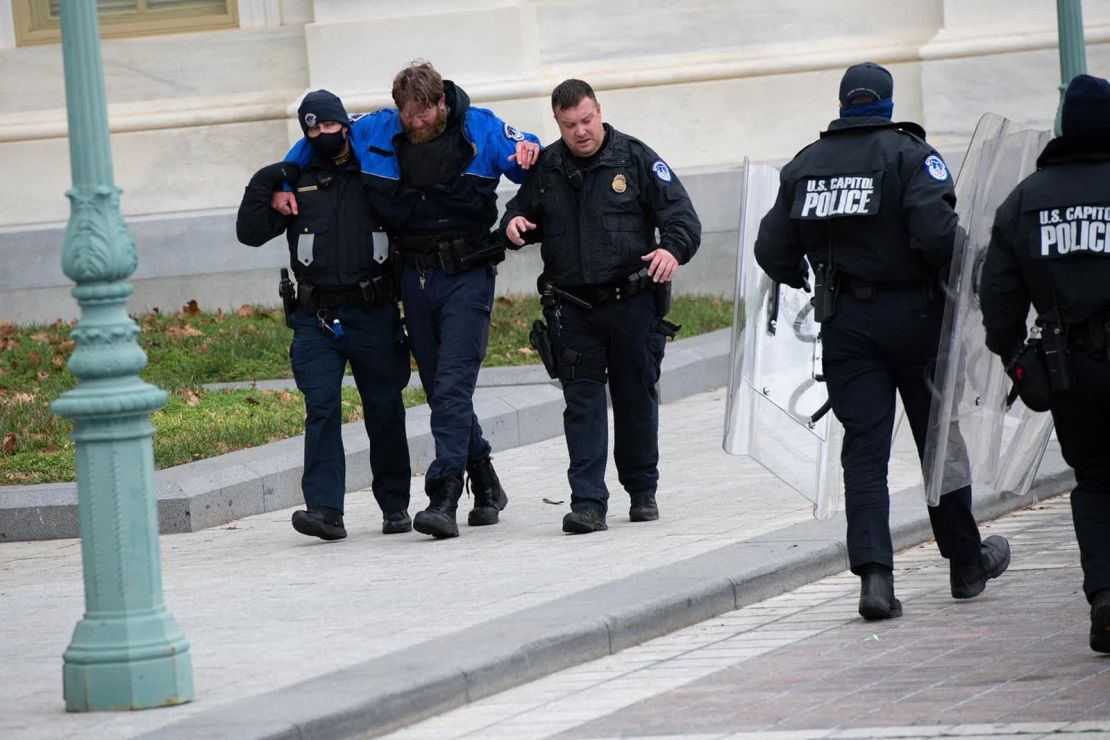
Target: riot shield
column 973, row 436
column 774, row 391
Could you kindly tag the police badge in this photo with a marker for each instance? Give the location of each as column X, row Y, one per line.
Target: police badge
column 620, row 184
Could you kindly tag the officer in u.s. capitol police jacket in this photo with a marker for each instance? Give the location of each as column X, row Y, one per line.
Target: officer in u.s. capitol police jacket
column 595, row 200
column 871, row 206
column 344, row 310
column 1050, row 247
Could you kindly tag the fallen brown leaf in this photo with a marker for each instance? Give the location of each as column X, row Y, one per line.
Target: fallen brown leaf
column 43, row 375
column 526, row 351
column 191, row 308
column 40, row 338
column 245, row 311
column 285, row 396
column 11, row 443
column 7, row 328
column 34, row 358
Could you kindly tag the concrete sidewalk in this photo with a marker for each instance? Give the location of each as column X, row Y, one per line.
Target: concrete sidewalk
column 298, row 638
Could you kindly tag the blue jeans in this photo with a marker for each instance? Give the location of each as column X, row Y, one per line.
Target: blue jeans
column 448, row 325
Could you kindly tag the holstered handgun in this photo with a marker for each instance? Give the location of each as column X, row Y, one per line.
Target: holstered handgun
column 540, row 338
column 288, row 296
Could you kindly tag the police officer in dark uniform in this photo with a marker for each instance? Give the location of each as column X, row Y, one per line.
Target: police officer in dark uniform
column 595, row 200
column 1050, row 246
column 871, row 206
column 431, row 168
column 344, row 310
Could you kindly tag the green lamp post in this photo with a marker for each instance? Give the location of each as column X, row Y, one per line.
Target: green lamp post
column 1073, row 48
column 127, row 652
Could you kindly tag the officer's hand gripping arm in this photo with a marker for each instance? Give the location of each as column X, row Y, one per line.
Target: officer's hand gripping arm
column 257, row 223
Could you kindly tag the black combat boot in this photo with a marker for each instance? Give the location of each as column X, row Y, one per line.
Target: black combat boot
column 876, row 594
column 1100, row 622
column 644, row 508
column 489, row 496
column 438, row 519
column 584, row 522
column 322, row 522
column 396, row 522
column 969, row 579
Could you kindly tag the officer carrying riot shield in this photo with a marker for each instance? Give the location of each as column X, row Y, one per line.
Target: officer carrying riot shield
column 1050, row 248
column 870, row 207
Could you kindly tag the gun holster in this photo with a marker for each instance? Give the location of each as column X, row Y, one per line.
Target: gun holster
column 288, row 296
column 540, row 338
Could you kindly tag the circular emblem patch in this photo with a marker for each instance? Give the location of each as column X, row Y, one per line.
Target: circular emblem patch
column 936, row 168
column 310, row 120
column 661, row 170
column 619, row 183
column 512, row 134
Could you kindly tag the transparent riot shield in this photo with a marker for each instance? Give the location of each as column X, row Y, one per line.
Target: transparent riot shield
column 974, row 437
column 774, row 391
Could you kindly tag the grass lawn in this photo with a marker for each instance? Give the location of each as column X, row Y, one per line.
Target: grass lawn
column 191, row 348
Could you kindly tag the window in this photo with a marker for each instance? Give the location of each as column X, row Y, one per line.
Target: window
column 36, row 21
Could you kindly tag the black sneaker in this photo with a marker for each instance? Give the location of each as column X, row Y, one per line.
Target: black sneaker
column 644, row 508
column 327, row 524
column 584, row 522
column 489, row 497
column 396, row 522
column 1100, row 622
column 438, row 519
column 876, row 594
column 968, row 581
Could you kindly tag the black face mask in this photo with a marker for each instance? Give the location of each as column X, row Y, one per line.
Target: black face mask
column 329, row 146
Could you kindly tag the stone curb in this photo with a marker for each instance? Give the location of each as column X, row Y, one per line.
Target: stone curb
column 516, row 406
column 389, row 692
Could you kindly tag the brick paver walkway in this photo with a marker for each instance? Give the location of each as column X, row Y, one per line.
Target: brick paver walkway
column 1013, row 662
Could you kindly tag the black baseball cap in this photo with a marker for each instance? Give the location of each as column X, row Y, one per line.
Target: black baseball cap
column 319, row 106
column 866, row 79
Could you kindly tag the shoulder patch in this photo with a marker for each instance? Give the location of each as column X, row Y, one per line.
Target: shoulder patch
column 512, row 134
column 659, row 167
column 936, row 168
column 355, row 116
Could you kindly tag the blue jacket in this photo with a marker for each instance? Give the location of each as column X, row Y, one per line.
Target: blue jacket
column 466, row 201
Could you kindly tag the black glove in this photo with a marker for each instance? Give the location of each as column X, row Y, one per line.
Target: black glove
column 273, row 175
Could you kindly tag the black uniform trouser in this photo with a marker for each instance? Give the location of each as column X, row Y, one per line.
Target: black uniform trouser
column 373, row 343
column 624, row 336
column 1082, row 418
column 872, row 349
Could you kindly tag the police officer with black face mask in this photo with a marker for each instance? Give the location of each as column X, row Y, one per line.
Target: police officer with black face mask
column 1050, row 247
column 871, row 206
column 344, row 311
column 595, row 200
